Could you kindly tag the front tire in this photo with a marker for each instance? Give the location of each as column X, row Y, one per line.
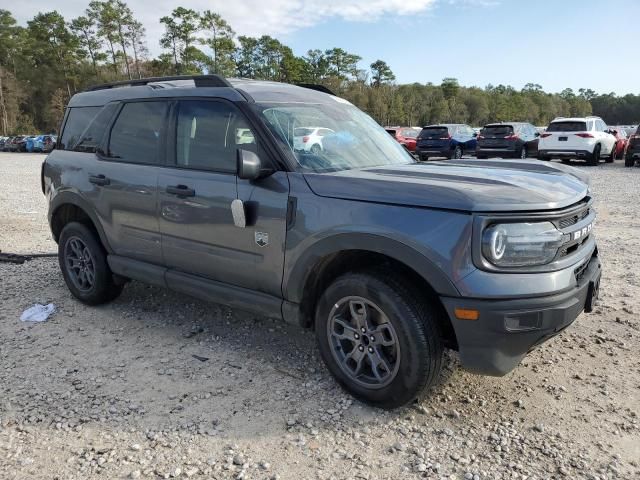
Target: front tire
column 83, row 262
column 377, row 338
column 457, row 153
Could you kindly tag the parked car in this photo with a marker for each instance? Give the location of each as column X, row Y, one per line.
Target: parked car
column 586, row 138
column 446, row 140
column 3, row 140
column 405, row 136
column 16, row 143
column 29, row 143
column 621, row 141
column 49, row 143
column 633, row 149
column 309, row 139
column 388, row 260
column 507, row 140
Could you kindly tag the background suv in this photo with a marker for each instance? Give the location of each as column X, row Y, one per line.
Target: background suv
column 388, row 261
column 633, row 149
column 577, row 138
column 309, row 139
column 445, row 140
column 507, row 140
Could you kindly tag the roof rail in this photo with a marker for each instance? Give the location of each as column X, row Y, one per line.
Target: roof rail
column 316, row 87
column 199, row 80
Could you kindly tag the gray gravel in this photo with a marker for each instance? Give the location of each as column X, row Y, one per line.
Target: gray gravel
column 116, row 392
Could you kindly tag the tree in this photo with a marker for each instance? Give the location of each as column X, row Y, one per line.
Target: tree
column 135, row 34
column 180, row 29
column 341, row 64
column 316, row 66
column 220, row 41
column 85, row 29
column 381, row 73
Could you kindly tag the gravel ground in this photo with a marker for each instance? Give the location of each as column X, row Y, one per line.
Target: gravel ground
column 157, row 385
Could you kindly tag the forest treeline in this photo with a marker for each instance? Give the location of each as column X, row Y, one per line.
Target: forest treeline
column 45, row 62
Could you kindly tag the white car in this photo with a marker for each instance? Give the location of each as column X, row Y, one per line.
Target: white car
column 585, row 138
column 309, row 139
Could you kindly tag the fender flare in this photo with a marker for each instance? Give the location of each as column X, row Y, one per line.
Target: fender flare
column 71, row 198
column 294, row 283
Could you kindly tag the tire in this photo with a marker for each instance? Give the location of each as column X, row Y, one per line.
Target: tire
column 413, row 349
column 544, row 158
column 594, row 159
column 457, row 153
column 424, row 158
column 316, row 149
column 629, row 161
column 523, row 153
column 81, row 247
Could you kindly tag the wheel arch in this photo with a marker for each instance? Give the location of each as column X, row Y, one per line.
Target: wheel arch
column 341, row 254
column 69, row 207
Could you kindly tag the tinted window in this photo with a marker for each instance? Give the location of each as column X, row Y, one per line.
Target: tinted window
column 209, row 134
column 434, row 132
column 567, row 127
column 409, row 133
column 136, row 135
column 498, row 130
column 301, row 132
column 93, row 134
column 77, row 120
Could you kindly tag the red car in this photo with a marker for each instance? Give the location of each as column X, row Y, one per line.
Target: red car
column 621, row 140
column 405, row 136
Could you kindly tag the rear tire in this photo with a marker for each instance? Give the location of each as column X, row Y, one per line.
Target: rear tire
column 629, row 161
column 424, row 158
column 611, row 158
column 594, row 159
column 83, row 262
column 351, row 339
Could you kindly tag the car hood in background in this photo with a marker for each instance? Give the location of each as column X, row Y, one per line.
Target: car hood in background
column 467, row 185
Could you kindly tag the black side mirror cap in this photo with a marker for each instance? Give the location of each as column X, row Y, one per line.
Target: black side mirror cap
column 250, row 167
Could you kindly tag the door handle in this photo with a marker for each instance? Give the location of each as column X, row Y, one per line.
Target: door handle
column 99, row 180
column 181, row 191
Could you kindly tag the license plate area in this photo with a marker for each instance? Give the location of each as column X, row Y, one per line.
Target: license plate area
column 563, row 139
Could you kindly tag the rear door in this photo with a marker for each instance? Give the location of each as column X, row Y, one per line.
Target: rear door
column 195, row 194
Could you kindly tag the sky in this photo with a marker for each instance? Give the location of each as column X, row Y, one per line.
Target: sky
column 554, row 43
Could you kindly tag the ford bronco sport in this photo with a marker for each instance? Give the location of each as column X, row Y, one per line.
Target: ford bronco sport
column 194, row 184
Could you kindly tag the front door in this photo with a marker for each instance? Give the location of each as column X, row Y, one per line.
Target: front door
column 195, row 194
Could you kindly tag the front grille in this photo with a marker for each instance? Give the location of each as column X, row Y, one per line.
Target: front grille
column 573, row 219
column 579, row 272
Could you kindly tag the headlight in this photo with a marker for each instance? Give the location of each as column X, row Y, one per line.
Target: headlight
column 521, row 244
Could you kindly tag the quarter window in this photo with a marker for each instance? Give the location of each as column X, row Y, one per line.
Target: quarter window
column 136, row 136
column 93, row 134
column 209, row 134
column 77, row 120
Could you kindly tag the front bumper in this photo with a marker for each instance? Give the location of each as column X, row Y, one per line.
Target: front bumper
column 506, row 330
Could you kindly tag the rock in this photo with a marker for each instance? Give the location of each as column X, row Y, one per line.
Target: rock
column 135, row 474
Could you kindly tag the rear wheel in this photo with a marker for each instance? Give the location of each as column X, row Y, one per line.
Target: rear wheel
column 424, row 158
column 83, row 262
column 629, row 161
column 379, row 340
column 523, row 153
column 316, row 149
column 594, row 159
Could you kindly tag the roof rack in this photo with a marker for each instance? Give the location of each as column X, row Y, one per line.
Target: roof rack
column 199, row 80
column 314, row 86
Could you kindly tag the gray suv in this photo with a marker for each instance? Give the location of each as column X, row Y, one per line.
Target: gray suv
column 202, row 185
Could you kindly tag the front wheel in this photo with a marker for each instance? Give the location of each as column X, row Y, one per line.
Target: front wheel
column 83, row 262
column 379, row 340
column 523, row 153
column 457, row 153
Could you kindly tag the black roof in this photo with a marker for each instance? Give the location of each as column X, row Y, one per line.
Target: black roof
column 234, row 89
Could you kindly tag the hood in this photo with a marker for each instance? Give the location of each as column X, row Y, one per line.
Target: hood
column 467, row 185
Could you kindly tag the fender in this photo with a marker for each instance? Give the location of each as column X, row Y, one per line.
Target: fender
column 295, row 279
column 66, row 198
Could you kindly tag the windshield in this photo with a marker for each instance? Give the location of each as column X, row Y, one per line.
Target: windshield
column 347, row 138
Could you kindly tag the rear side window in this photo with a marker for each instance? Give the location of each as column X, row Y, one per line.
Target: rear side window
column 567, row 127
column 209, row 134
column 301, row 132
column 136, row 136
column 77, row 120
column 94, row 133
column 434, row 132
column 409, row 133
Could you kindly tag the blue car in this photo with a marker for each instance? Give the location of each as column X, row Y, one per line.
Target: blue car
column 37, row 144
column 448, row 140
column 29, row 143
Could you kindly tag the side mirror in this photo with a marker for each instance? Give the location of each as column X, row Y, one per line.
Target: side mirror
column 250, row 166
column 537, row 134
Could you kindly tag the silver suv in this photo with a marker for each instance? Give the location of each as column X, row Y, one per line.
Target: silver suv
column 196, row 184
